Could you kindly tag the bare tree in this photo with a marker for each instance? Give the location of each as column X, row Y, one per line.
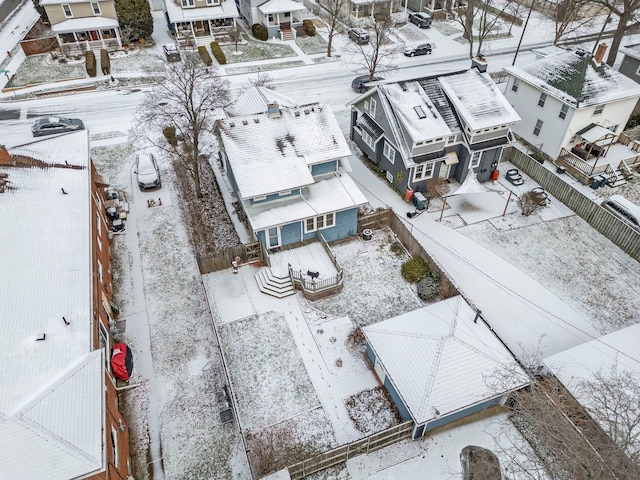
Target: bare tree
column 567, row 17
column 376, row 55
column 628, row 13
column 235, row 34
column 185, row 101
column 614, row 401
column 480, row 18
column 262, row 80
column 334, row 16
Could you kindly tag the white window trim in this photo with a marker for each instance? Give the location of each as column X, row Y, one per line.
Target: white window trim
column 114, row 441
column 598, row 107
column 389, row 176
column 64, row 10
column 638, row 70
column 326, row 218
column 542, row 99
column 538, row 128
column 475, row 159
column 426, row 172
column 259, row 198
column 516, row 84
column 372, row 107
column 368, row 140
column 563, row 111
column 389, row 152
column 96, row 6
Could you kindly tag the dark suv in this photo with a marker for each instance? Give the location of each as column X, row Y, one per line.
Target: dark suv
column 421, row 19
column 422, row 49
column 358, row 35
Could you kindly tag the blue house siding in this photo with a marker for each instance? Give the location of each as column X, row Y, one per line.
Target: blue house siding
column 231, row 177
column 276, row 196
column 260, row 235
column 290, row 233
column 452, row 417
column 346, row 224
column 322, row 168
column 402, row 410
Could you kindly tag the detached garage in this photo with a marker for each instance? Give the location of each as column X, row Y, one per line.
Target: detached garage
column 441, row 363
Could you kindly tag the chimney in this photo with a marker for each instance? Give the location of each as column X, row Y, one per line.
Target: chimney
column 5, row 158
column 273, row 110
column 599, row 55
column 480, row 63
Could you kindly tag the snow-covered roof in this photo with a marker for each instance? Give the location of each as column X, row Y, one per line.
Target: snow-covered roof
column 415, row 111
column 576, row 79
column 477, row 100
column 226, row 9
column 548, row 51
column 51, row 407
column 255, row 100
column 86, row 23
column 278, row 6
column 438, row 358
column 331, row 194
column 592, row 133
column 273, row 154
column 632, row 51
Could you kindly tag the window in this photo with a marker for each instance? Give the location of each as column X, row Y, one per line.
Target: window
column 475, row 159
column 213, row 2
column 372, row 107
column 451, row 139
column 320, row 222
column 100, row 271
column 542, row 99
column 270, row 17
column 98, row 224
column 99, row 245
column 538, row 127
column 389, row 176
column 389, row 152
column 516, row 84
column 368, row 139
column 95, row 6
column 188, row 3
column 104, row 343
column 67, row 10
column 598, row 110
column 284, row 194
column 424, row 170
column 563, row 111
column 259, row 198
column 638, row 70
column 114, row 445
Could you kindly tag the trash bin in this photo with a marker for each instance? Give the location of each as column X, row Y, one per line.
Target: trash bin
column 597, row 182
column 605, row 179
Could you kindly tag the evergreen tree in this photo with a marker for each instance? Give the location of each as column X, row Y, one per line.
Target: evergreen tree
column 135, row 19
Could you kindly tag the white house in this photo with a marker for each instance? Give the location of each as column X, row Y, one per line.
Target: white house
column 561, row 95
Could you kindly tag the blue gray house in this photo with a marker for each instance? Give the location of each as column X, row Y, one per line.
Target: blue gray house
column 287, row 167
column 431, row 128
column 441, row 363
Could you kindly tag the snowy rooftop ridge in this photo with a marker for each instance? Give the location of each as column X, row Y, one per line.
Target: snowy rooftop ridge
column 47, row 251
column 254, row 100
column 575, row 78
column 271, row 154
column 438, row 358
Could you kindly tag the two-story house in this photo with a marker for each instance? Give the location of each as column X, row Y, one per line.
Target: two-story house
column 285, row 166
column 562, row 95
column 197, row 22
column 441, row 127
column 59, row 414
column 630, row 66
column 81, row 25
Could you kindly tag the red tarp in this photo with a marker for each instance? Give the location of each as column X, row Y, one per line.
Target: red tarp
column 121, row 361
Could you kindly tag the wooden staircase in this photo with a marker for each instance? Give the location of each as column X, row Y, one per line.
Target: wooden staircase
column 270, row 284
column 287, row 34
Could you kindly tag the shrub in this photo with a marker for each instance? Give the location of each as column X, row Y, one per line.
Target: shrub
column 90, row 63
column 204, row 54
column 218, row 53
column 170, row 134
column 429, row 287
column 105, row 62
column 415, row 269
column 309, row 27
column 260, row 31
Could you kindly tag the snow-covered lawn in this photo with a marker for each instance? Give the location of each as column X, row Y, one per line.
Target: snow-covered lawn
column 256, row 50
column 311, row 45
column 36, row 69
column 144, row 59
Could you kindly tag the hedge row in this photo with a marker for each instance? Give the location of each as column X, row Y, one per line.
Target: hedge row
column 204, row 54
column 90, row 63
column 260, row 31
column 218, row 53
column 105, row 62
column 309, row 27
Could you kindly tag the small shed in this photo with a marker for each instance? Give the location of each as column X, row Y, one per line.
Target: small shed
column 441, row 363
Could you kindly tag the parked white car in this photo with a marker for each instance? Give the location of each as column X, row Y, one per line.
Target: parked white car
column 625, row 210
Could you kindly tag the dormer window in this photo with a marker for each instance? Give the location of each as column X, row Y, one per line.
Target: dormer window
column 188, row 3
column 66, row 8
column 213, row 2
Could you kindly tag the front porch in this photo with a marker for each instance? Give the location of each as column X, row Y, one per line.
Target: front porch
column 198, row 26
column 362, row 9
column 77, row 37
column 281, row 17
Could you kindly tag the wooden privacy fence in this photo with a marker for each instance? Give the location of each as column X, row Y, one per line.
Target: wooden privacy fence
column 345, row 452
column 220, row 260
column 625, row 237
column 376, row 220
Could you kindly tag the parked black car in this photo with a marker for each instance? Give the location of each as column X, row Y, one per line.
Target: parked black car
column 147, row 171
column 171, row 52
column 358, row 83
column 51, row 125
column 421, row 19
column 422, row 49
column 358, row 35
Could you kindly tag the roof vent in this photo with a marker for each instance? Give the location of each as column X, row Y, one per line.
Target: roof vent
column 273, row 110
column 256, row 120
column 403, row 86
column 41, row 337
column 245, row 122
column 296, row 113
column 306, row 112
column 232, row 124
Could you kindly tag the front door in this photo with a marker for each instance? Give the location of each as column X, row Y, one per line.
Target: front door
column 285, row 26
column 444, row 170
column 273, row 237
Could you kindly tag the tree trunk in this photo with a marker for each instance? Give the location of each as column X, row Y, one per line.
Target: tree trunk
column 329, row 43
column 617, row 36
